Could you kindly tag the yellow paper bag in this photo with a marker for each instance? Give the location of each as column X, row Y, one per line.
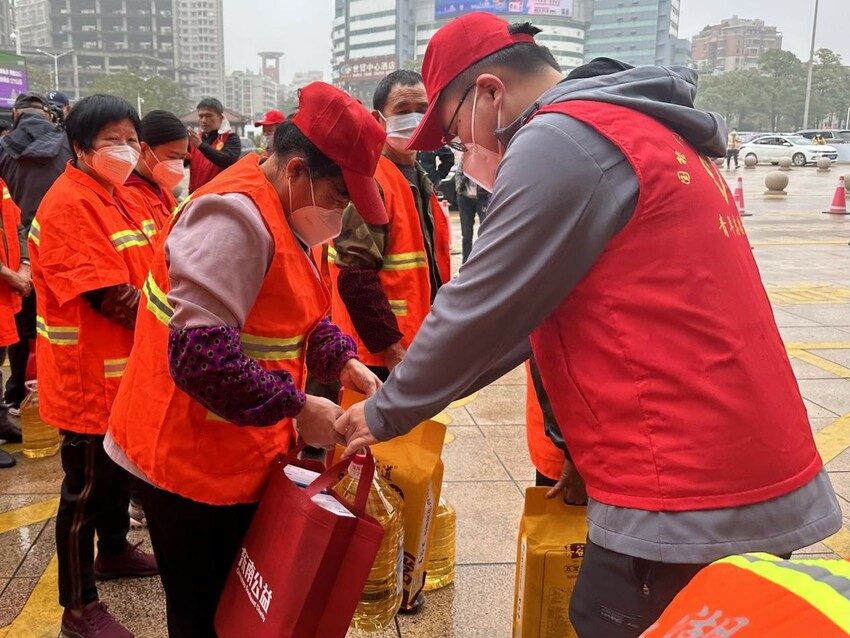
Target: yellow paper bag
column 549, row 552
column 412, row 465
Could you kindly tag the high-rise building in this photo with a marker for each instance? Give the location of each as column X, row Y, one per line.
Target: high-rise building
column 736, row 44
column 371, row 38
column 638, row 32
column 250, row 94
column 200, row 45
column 99, row 37
column 7, row 21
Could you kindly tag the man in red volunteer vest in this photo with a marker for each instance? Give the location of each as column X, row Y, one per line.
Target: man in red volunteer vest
column 215, row 148
column 613, row 245
column 387, row 276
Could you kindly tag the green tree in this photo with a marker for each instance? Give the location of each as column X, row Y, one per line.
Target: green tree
column 39, row 78
column 156, row 92
column 830, row 88
column 786, row 88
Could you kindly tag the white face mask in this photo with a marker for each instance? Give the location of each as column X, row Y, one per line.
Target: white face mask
column 402, row 126
column 479, row 163
column 266, row 141
column 314, row 225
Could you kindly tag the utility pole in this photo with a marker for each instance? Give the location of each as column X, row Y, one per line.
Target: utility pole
column 55, row 57
column 811, row 68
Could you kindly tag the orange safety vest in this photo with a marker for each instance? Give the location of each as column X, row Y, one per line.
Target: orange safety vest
column 83, row 239
column 161, row 201
column 547, row 458
column 761, row 596
column 404, row 274
column 176, row 442
column 10, row 301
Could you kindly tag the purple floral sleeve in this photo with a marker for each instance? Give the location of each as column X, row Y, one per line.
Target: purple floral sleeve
column 328, row 350
column 209, row 365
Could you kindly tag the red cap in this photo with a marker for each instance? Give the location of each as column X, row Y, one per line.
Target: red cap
column 453, row 49
column 271, row 118
column 346, row 132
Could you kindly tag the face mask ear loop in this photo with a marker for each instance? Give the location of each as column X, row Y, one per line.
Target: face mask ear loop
column 311, row 192
column 474, row 104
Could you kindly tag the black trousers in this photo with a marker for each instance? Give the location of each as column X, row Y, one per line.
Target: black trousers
column 95, row 494
column 195, row 545
column 620, row 596
column 19, row 352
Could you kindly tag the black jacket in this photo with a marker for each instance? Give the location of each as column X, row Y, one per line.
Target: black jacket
column 32, row 156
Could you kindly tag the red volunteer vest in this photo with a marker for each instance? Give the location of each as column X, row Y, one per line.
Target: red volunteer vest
column 178, row 444
column 201, row 170
column 404, row 275
column 664, row 365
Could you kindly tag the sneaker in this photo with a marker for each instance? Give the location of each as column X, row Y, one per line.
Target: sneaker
column 137, row 514
column 96, row 622
column 130, row 563
column 10, row 432
column 6, row 459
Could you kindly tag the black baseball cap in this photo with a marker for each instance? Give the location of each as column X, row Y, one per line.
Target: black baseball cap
column 58, row 99
column 31, row 100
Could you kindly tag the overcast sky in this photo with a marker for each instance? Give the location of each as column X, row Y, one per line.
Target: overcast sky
column 302, row 28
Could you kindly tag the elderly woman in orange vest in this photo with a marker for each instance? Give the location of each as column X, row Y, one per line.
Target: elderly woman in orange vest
column 16, row 283
column 90, row 254
column 164, row 143
column 234, row 312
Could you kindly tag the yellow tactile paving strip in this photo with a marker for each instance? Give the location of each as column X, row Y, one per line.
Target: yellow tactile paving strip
column 807, row 294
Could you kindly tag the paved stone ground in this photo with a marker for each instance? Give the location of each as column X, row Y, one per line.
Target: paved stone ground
column 805, row 262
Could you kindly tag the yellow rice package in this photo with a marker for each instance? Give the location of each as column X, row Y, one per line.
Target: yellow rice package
column 412, row 465
column 549, row 552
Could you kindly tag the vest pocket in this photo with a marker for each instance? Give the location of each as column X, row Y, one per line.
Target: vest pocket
column 225, row 448
column 579, row 394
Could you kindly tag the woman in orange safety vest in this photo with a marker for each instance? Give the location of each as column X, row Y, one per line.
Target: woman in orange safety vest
column 233, row 314
column 164, row 142
column 15, row 283
column 90, row 254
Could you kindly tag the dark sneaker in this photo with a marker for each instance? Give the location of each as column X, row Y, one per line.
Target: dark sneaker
column 130, row 563
column 10, row 432
column 6, row 459
column 137, row 514
column 96, row 622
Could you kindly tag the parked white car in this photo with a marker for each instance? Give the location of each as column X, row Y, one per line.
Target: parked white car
column 770, row 148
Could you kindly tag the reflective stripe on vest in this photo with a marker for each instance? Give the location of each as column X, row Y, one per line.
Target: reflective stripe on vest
column 826, row 588
column 405, row 261
column 57, row 335
column 399, row 307
column 6, row 193
column 128, row 238
column 255, row 346
column 149, row 228
column 35, row 232
column 113, row 368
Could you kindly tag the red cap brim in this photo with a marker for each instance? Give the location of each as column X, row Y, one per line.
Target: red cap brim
column 363, row 190
column 428, row 136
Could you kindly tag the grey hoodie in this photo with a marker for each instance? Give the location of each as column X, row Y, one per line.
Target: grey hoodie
column 562, row 193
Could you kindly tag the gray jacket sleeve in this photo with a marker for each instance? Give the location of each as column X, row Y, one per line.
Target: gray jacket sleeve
column 562, row 192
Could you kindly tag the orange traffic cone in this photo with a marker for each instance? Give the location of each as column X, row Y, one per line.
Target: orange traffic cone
column 739, row 198
column 839, row 200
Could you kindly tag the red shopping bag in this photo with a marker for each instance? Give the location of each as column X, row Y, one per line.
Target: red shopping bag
column 302, row 568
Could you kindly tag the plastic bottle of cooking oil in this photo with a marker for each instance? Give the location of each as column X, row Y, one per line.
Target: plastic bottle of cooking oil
column 382, row 594
column 40, row 439
column 441, row 563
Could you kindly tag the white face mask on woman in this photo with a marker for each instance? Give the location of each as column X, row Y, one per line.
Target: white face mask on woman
column 314, row 225
column 479, row 163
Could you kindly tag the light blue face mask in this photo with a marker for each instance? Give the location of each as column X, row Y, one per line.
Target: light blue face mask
column 402, row 125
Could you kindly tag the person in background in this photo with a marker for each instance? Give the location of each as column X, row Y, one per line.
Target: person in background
column 90, row 258
column 5, row 127
column 32, row 156
column 388, row 276
column 471, row 201
column 164, row 144
column 733, row 144
column 437, row 164
column 13, row 286
column 271, row 120
column 648, row 320
column 203, row 436
column 59, row 105
column 215, row 148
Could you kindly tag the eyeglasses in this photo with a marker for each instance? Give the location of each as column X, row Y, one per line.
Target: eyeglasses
column 455, row 143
